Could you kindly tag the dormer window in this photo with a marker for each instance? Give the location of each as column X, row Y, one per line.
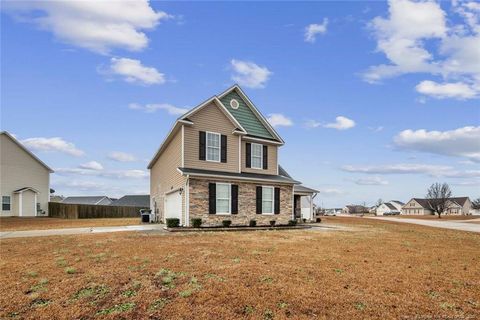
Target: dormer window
column 234, row 104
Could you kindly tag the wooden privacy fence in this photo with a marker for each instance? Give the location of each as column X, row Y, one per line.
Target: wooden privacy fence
column 88, row 211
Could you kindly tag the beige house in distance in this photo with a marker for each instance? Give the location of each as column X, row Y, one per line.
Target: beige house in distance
column 220, row 162
column 456, row 206
column 24, row 180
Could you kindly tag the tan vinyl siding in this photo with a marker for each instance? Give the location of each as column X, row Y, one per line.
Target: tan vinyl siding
column 210, row 118
column 18, row 169
column 272, row 159
column 164, row 175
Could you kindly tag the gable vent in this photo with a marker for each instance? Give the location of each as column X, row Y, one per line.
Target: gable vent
column 234, row 104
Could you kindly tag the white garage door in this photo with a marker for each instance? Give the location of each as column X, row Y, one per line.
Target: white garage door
column 173, row 206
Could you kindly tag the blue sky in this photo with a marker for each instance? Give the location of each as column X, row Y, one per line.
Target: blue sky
column 374, row 99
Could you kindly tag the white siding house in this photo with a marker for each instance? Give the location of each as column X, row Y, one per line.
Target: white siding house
column 389, row 207
column 24, row 180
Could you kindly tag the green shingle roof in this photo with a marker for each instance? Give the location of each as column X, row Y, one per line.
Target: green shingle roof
column 245, row 116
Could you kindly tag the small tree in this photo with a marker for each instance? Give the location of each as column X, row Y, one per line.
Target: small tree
column 476, row 204
column 379, row 202
column 437, row 197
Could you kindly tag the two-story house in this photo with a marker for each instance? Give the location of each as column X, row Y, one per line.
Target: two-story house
column 24, row 180
column 220, row 162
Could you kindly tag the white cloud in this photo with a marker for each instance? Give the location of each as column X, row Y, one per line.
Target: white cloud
column 279, row 120
column 461, row 142
column 457, row 90
column 413, row 168
column 341, row 123
column 153, row 107
column 98, row 26
column 55, row 144
column 401, row 168
column 91, row 165
column 371, row 181
column 133, row 71
column 249, row 74
column 416, row 38
column 121, row 156
column 312, row 30
column 312, row 124
column 331, row 191
column 377, row 129
column 82, row 185
column 115, row 174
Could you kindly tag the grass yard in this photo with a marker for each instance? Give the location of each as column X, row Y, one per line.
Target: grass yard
column 17, row 224
column 380, row 270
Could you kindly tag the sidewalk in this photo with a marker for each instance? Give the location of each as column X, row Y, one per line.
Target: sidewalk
column 70, row 231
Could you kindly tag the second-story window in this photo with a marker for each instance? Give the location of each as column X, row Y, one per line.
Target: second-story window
column 257, row 156
column 213, row 146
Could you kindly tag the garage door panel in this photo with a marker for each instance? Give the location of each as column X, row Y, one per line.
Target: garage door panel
column 173, row 206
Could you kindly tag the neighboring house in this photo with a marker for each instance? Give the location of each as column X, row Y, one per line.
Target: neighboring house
column 355, row 209
column 96, row 200
column 24, row 180
column 142, row 200
column 334, row 211
column 56, row 198
column 220, row 162
column 419, row 206
column 389, row 208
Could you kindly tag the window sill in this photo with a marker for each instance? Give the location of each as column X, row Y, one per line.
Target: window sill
column 223, row 214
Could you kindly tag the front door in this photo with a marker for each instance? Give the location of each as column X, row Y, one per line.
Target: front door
column 297, row 206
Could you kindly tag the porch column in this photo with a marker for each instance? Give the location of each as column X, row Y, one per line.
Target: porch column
column 20, row 201
column 312, row 214
column 35, row 205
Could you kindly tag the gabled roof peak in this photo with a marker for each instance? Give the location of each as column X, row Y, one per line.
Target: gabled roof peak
column 19, row 144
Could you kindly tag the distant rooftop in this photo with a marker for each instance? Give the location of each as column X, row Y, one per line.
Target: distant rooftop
column 84, row 199
column 138, row 200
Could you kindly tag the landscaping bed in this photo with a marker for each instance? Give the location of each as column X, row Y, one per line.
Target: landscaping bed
column 237, row 228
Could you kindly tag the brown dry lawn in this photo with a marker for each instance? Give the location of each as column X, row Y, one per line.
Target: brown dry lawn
column 380, row 270
column 17, row 224
column 435, row 217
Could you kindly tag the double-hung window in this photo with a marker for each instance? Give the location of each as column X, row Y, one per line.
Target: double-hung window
column 223, row 198
column 213, row 146
column 267, row 200
column 257, row 156
column 6, row 205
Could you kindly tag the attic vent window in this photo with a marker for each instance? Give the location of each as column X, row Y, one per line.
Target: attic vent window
column 234, row 104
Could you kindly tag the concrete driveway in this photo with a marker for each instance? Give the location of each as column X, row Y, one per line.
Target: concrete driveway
column 90, row 230
column 463, row 225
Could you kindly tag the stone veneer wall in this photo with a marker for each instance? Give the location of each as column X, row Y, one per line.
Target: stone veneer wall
column 246, row 204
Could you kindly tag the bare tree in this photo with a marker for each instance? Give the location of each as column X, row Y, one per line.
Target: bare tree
column 437, row 197
column 476, row 203
column 379, row 202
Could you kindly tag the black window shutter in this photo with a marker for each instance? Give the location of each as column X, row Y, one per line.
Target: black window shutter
column 277, row 201
column 259, row 200
column 265, row 157
column 223, row 153
column 212, row 198
column 234, row 199
column 202, row 145
column 248, row 155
